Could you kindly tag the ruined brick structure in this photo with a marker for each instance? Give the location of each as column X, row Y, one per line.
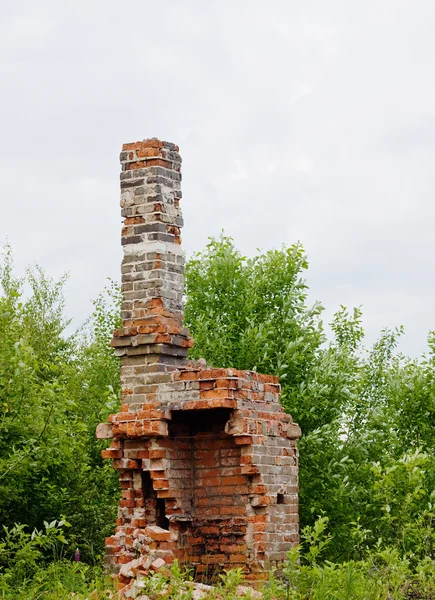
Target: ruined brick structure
column 207, row 458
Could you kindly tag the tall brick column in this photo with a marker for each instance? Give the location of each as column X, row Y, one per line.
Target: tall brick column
column 207, row 458
column 153, row 264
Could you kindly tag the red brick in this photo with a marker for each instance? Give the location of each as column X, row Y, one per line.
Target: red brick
column 207, row 385
column 132, row 146
column 157, row 534
column 213, row 394
column 159, row 453
column 111, row 453
column 213, row 559
column 138, row 164
column 237, row 558
column 158, row 162
column 146, row 152
column 188, row 375
column 235, row 480
column 126, row 503
column 243, row 440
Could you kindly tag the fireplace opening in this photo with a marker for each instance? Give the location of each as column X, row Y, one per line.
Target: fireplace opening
column 161, row 518
column 154, row 507
column 148, row 492
column 206, row 466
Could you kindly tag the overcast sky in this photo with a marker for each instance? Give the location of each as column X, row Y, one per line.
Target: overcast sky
column 311, row 120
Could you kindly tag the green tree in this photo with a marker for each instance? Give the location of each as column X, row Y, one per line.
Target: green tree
column 252, row 313
column 54, row 389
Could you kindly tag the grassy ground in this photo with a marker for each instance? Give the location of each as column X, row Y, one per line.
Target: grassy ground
column 384, row 577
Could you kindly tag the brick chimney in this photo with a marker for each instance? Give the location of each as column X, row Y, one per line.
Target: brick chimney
column 153, row 264
column 207, row 458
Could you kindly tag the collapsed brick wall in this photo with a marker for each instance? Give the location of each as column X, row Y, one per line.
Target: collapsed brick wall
column 207, row 458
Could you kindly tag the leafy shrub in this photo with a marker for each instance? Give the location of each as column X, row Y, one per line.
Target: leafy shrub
column 53, row 391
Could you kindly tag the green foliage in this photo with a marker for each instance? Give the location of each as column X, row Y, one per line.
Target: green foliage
column 21, row 552
column 171, row 584
column 380, row 574
column 32, row 565
column 251, row 313
column 53, row 391
column 229, row 581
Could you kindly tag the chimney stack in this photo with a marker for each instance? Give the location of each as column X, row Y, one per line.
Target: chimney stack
column 153, row 263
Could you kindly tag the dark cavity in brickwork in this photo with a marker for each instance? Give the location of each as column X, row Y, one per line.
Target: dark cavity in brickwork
column 207, row 458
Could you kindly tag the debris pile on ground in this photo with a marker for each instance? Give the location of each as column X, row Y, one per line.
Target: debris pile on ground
column 192, row 589
column 151, row 580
